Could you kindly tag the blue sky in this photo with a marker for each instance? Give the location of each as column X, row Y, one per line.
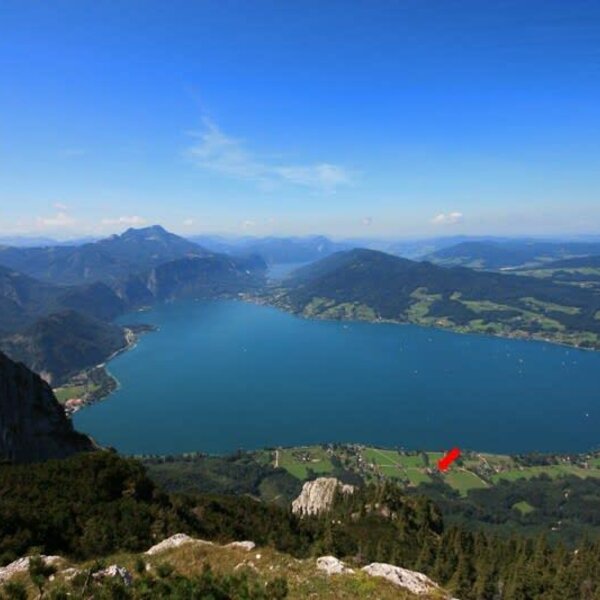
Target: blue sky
column 375, row 117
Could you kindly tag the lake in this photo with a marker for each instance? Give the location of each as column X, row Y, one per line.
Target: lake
column 224, row 375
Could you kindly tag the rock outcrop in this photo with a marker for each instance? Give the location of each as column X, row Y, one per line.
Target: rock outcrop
column 179, row 539
column 413, row 581
column 33, row 425
column 317, row 496
column 115, row 571
column 21, row 565
column 245, row 545
column 332, row 565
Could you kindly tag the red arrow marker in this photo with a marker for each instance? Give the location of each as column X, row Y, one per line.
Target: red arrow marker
column 447, row 460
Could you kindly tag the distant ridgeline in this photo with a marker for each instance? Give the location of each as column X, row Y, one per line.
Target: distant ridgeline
column 374, row 286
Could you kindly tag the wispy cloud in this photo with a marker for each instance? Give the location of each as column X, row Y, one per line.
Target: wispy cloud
column 215, row 151
column 126, row 220
column 452, row 218
column 60, row 220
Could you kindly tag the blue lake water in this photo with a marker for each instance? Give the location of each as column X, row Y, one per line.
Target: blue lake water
column 224, row 375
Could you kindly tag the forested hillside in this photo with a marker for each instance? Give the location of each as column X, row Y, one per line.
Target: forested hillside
column 366, row 284
column 93, row 505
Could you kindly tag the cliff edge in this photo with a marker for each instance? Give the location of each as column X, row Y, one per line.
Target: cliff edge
column 33, row 426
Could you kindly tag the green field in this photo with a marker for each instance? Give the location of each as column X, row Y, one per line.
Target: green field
column 411, row 462
column 549, row 306
column 66, row 393
column 463, row 481
column 417, row 476
column 433, row 458
column 381, row 457
column 300, row 461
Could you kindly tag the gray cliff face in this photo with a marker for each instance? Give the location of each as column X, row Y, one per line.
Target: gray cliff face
column 318, row 496
column 33, row 425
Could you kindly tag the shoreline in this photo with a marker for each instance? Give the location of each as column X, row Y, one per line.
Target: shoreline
column 517, row 335
column 104, row 382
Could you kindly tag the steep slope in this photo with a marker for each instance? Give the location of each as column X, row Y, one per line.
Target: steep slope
column 372, row 285
column 95, row 300
column 211, row 276
column 62, row 344
column 33, row 426
column 24, row 299
column 105, row 260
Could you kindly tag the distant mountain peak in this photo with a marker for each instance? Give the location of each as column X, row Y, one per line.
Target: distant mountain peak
column 144, row 231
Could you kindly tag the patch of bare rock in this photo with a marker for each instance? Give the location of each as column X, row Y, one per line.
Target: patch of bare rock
column 332, row 565
column 412, row 581
column 21, row 565
column 318, row 495
column 180, row 539
column 114, row 572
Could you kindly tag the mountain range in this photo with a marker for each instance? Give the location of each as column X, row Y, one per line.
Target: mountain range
column 57, row 303
column 105, row 260
column 84, row 288
column 275, row 250
column 372, row 285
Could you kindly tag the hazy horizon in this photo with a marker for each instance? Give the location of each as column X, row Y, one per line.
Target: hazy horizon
column 82, row 238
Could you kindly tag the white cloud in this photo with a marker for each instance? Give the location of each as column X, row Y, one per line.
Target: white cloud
column 248, row 224
column 188, row 222
column 126, row 220
column 215, row 151
column 60, row 206
column 452, row 218
column 60, row 220
column 367, row 221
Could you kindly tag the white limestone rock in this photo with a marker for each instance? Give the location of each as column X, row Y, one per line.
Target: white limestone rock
column 21, row 565
column 245, row 545
column 179, row 539
column 114, row 571
column 332, row 565
column 317, row 496
column 413, row 581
